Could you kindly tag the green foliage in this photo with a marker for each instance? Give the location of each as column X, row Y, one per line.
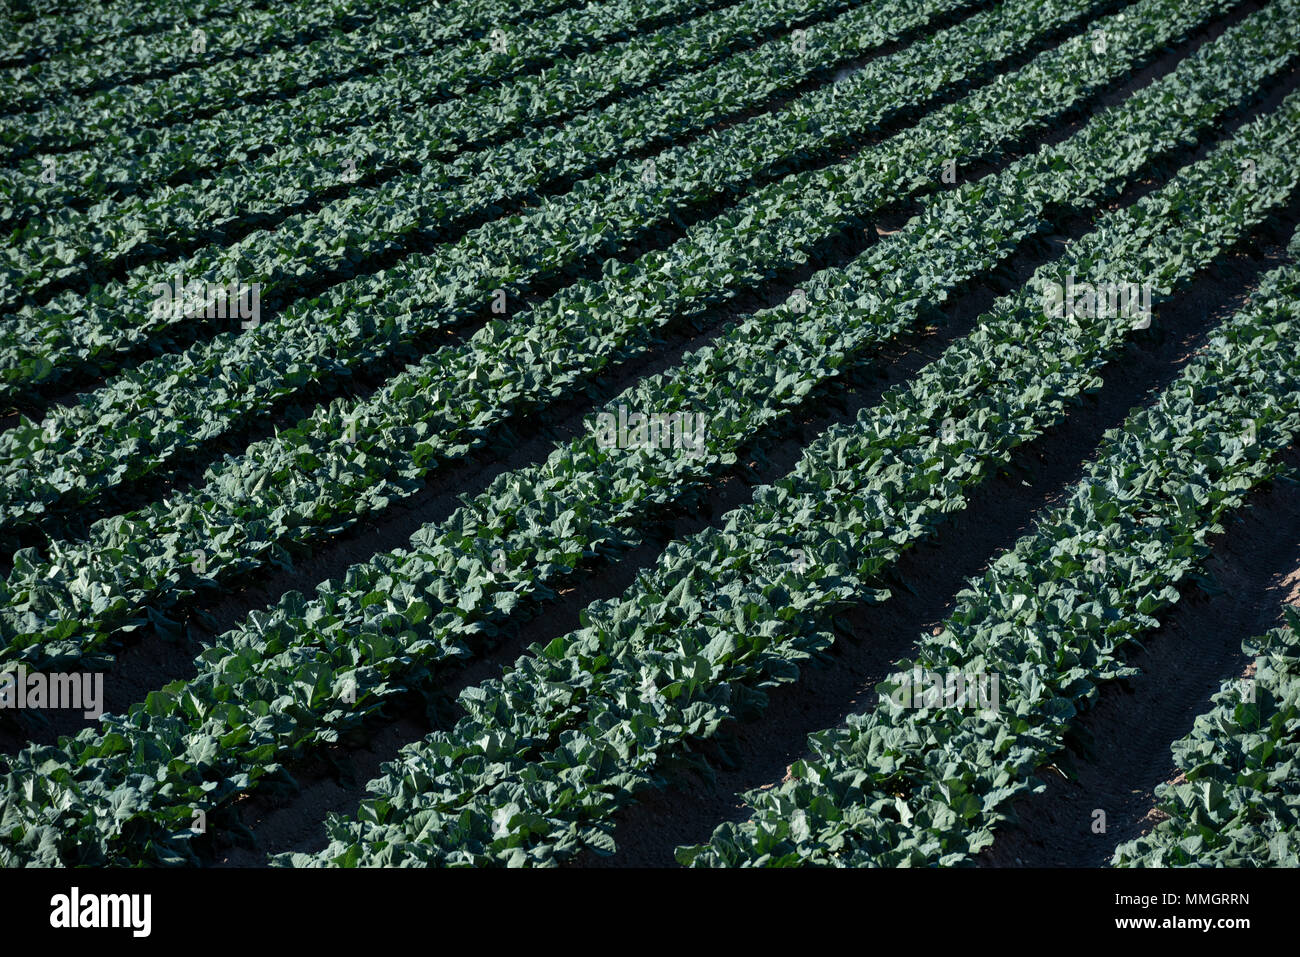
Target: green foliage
column 234, row 33
column 92, row 329
column 895, row 787
column 310, row 137
column 546, row 754
column 310, row 482
column 1236, row 803
column 411, row 57
column 198, row 394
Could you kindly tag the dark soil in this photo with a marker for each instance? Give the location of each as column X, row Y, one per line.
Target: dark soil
column 1123, row 749
column 759, row 754
column 1000, row 511
column 1257, row 562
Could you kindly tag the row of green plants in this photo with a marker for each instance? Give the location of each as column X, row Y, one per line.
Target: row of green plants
column 412, row 59
column 80, row 451
column 346, row 233
column 308, row 671
column 915, row 786
column 1235, row 802
column 348, row 459
column 546, row 755
column 208, row 44
column 41, row 31
column 434, row 139
column 139, row 159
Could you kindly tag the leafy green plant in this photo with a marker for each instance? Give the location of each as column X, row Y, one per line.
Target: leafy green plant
column 414, row 60
column 90, row 330
column 909, row 787
column 328, row 136
column 83, row 450
column 734, row 617
column 1235, row 803
column 257, row 28
column 310, row 480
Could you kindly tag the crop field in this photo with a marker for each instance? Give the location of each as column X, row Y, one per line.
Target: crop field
column 705, row 433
